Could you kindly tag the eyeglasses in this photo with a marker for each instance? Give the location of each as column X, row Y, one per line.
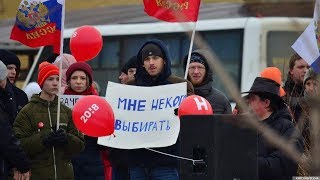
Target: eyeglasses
column 193, row 68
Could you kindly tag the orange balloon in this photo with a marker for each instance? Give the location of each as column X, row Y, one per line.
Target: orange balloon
column 194, row 105
column 93, row 116
column 85, row 43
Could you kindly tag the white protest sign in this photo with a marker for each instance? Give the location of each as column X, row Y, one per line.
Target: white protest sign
column 144, row 116
column 70, row 100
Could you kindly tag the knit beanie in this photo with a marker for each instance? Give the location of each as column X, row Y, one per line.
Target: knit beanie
column 274, row 74
column 8, row 57
column 310, row 74
column 67, row 60
column 45, row 70
column 151, row 49
column 132, row 63
column 195, row 57
column 81, row 66
column 3, row 71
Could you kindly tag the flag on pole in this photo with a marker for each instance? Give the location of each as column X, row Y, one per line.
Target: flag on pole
column 38, row 23
column 173, row 10
column 308, row 43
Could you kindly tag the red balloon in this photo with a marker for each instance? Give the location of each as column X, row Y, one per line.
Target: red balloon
column 93, row 116
column 85, row 43
column 194, row 105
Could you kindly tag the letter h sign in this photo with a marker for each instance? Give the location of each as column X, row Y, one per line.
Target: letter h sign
column 201, row 103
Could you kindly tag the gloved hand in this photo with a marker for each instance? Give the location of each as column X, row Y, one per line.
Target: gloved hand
column 60, row 137
column 176, row 111
column 48, row 140
column 55, row 138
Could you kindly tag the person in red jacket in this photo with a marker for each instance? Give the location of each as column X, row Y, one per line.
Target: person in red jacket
column 93, row 162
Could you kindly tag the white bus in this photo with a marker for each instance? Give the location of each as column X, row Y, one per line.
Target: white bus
column 244, row 45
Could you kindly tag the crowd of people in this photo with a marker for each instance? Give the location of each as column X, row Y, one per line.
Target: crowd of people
column 33, row 147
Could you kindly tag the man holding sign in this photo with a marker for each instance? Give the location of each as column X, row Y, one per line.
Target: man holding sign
column 154, row 69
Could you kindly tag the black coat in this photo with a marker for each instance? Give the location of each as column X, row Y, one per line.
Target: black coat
column 218, row 101
column 11, row 153
column 273, row 164
column 21, row 98
column 89, row 164
column 16, row 100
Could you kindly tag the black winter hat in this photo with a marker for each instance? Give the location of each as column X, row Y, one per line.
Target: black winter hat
column 132, row 63
column 151, row 49
column 8, row 57
column 195, row 57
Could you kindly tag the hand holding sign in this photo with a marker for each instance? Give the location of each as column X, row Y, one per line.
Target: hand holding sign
column 93, row 116
column 194, row 105
column 85, row 43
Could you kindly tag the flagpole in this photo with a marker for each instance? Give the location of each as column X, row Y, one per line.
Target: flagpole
column 190, row 49
column 60, row 65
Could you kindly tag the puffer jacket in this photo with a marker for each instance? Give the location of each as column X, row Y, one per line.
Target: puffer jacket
column 47, row 162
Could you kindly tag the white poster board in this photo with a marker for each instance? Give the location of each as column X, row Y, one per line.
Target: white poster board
column 144, row 116
column 70, row 100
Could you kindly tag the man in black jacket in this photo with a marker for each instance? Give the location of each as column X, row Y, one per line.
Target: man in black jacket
column 294, row 85
column 265, row 101
column 12, row 62
column 11, row 153
column 154, row 69
column 200, row 75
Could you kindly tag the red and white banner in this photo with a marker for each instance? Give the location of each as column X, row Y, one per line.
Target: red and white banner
column 173, row 10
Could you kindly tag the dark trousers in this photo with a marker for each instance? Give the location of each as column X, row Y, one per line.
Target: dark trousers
column 120, row 173
column 157, row 173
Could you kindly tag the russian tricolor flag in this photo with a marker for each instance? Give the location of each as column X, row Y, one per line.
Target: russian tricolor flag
column 308, row 44
column 39, row 23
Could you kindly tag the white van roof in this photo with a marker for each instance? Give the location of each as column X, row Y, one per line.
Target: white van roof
column 213, row 24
